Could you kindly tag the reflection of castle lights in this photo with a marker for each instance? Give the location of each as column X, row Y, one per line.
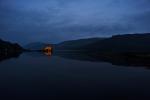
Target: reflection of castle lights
column 48, row 53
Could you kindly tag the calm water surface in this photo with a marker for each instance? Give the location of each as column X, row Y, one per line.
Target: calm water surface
column 40, row 77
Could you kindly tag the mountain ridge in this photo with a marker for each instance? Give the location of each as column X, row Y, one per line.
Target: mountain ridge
column 116, row 43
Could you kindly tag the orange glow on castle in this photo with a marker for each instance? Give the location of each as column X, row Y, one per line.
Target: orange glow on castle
column 47, row 50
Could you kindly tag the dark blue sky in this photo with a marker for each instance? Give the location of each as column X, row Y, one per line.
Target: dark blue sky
column 27, row 21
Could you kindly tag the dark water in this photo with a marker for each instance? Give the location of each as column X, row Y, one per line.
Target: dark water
column 40, row 77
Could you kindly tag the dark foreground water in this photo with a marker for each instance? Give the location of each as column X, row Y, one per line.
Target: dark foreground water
column 39, row 77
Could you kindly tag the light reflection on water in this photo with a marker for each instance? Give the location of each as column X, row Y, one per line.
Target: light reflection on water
column 72, row 76
column 48, row 53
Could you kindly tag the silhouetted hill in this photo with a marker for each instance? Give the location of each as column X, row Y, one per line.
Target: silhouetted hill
column 122, row 43
column 8, row 49
column 116, row 44
column 36, row 46
column 76, row 44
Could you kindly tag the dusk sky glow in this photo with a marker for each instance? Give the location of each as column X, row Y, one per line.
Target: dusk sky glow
column 25, row 21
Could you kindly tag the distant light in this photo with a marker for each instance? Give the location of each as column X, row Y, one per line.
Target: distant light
column 48, row 50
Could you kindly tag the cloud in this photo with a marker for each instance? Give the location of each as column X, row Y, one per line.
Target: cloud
column 58, row 20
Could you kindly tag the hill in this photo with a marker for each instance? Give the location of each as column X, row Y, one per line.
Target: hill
column 122, row 43
column 76, row 44
column 8, row 49
column 36, row 46
column 117, row 44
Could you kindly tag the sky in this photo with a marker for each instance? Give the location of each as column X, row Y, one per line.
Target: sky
column 53, row 21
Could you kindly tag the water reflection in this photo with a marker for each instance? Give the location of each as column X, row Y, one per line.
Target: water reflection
column 4, row 57
column 115, row 60
column 49, row 53
column 33, row 75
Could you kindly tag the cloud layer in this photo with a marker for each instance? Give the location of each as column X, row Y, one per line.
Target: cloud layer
column 57, row 20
